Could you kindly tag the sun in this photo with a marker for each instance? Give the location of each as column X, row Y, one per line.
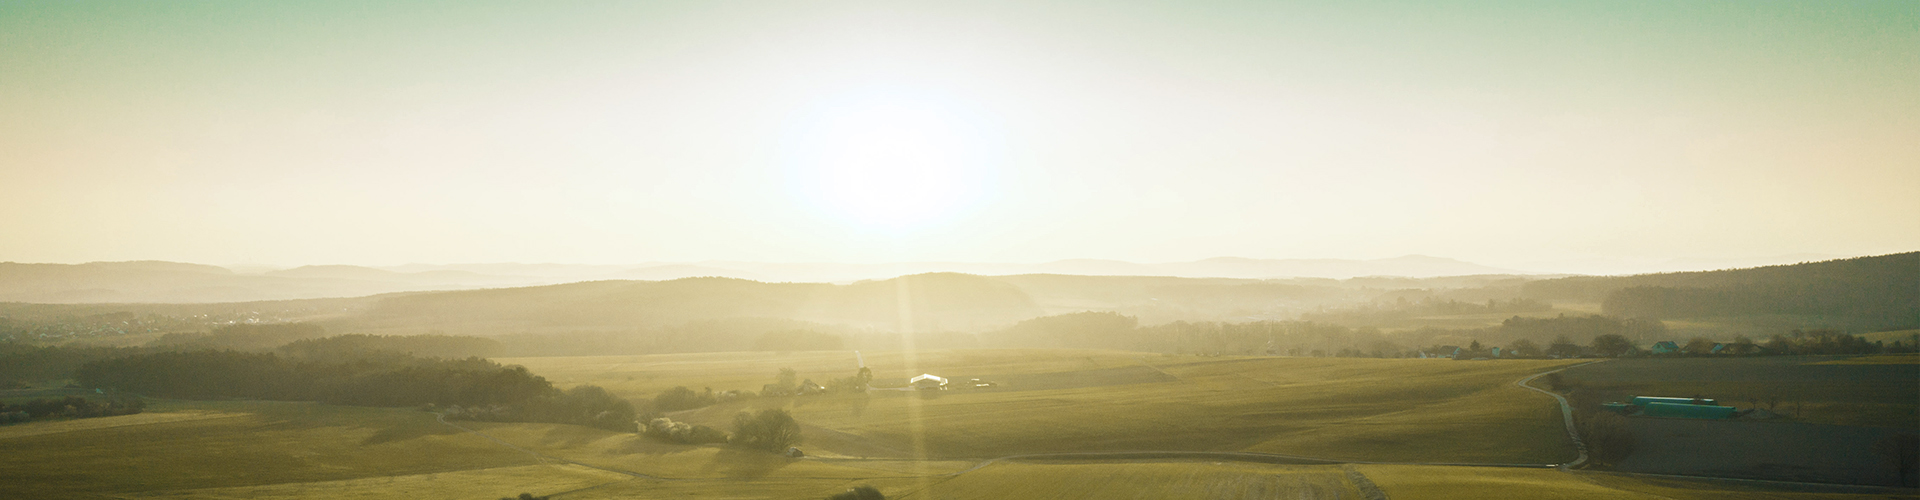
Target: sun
column 892, row 162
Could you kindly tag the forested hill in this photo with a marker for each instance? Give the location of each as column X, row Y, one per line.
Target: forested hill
column 1869, row 292
column 925, row 302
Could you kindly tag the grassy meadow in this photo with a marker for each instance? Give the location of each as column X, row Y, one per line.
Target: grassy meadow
column 957, row 444
column 1088, row 401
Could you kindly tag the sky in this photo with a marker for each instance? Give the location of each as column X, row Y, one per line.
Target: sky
column 1530, row 135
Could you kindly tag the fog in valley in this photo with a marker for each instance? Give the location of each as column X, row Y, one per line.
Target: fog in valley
column 857, row 250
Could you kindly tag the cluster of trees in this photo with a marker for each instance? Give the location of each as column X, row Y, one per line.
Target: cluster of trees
column 1817, row 342
column 682, row 398
column 1813, row 343
column 242, row 337
column 772, row 430
column 360, row 346
column 1400, row 309
column 666, row 429
column 21, row 362
column 1108, row 330
column 1589, row 326
column 786, row 383
column 69, row 407
column 472, row 388
column 1875, row 293
column 38, row 323
column 713, row 335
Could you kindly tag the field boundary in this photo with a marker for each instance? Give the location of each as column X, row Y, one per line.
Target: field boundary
column 442, row 417
column 1566, row 412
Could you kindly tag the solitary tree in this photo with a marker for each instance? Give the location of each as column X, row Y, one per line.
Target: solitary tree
column 1902, row 451
column 1612, row 345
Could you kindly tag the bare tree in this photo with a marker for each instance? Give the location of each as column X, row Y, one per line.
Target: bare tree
column 1902, row 451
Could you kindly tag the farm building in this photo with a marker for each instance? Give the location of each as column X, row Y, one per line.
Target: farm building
column 1680, row 410
column 1665, row 347
column 1646, row 400
column 928, row 381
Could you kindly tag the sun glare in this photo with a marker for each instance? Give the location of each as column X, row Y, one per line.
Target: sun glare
column 892, row 163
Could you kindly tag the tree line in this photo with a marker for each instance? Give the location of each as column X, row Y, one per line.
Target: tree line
column 472, row 388
column 68, row 407
column 1866, row 293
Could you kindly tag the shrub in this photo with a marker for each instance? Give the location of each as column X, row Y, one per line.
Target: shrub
column 666, row 429
column 681, row 398
column 772, row 430
column 862, row 492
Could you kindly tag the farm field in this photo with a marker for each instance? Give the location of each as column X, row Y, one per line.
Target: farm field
column 171, row 447
column 1465, row 483
column 1076, row 401
column 955, row 445
column 1841, row 390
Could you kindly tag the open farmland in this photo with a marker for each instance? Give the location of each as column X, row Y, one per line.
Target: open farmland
column 959, row 444
column 1842, row 390
column 182, row 445
column 1474, row 483
column 1355, row 409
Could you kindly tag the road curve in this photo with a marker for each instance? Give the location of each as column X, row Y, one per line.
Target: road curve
column 1566, row 413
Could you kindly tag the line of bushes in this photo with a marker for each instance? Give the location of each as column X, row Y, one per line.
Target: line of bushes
column 471, row 388
column 69, row 407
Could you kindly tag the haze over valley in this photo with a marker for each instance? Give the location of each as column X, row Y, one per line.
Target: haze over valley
column 859, row 250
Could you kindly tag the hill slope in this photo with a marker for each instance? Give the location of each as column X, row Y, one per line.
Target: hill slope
column 1881, row 292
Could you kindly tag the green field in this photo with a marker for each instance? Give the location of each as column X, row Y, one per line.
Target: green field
column 1848, row 390
column 1472, row 483
column 1358, row 409
column 955, row 445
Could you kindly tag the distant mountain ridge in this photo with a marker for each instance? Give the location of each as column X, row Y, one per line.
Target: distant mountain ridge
column 171, row 282
column 1413, row 266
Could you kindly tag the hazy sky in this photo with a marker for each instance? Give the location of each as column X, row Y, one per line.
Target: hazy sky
column 626, row 132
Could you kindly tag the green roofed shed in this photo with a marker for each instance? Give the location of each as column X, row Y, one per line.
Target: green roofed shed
column 1672, row 410
column 1644, row 400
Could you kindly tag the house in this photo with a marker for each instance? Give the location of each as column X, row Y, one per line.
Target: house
column 809, row 388
column 1445, row 351
column 928, row 381
column 1665, row 347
